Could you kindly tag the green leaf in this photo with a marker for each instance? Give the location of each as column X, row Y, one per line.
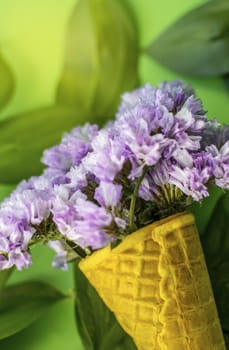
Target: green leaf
column 215, row 243
column 198, row 43
column 7, row 82
column 23, row 139
column 4, row 276
column 226, row 337
column 101, row 57
column 22, row 304
column 226, row 81
column 96, row 324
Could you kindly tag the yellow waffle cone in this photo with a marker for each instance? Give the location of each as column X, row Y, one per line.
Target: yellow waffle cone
column 157, row 284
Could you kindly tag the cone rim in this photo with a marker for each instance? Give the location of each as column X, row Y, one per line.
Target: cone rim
column 161, row 227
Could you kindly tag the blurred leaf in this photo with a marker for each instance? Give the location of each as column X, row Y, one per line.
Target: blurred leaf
column 96, row 324
column 198, row 43
column 4, row 276
column 7, row 82
column 226, row 337
column 203, row 210
column 23, row 139
column 22, row 304
column 101, row 57
column 226, row 81
column 215, row 243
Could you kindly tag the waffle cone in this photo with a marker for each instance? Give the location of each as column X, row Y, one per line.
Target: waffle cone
column 157, row 284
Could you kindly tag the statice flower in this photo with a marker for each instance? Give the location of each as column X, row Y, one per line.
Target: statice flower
column 61, row 259
column 73, row 147
column 64, row 254
column 172, row 96
column 92, row 222
column 159, row 155
column 107, row 194
column 27, row 207
column 86, row 222
column 215, row 141
column 214, row 134
column 160, row 123
column 107, row 157
column 221, row 169
column 132, row 99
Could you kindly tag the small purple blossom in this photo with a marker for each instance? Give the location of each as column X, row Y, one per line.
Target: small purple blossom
column 221, row 169
column 73, row 147
column 61, row 259
column 83, row 221
column 214, row 134
column 190, row 182
column 77, row 177
column 142, row 144
column 19, row 258
column 107, row 194
column 154, row 180
column 107, row 158
column 64, row 211
column 27, row 207
column 93, row 221
column 80, row 220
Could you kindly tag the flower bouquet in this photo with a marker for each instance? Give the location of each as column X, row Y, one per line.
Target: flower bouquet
column 117, row 198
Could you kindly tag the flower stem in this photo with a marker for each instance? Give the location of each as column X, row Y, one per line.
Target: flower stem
column 77, row 249
column 134, row 198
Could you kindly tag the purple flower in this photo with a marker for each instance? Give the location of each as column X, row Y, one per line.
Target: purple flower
column 193, row 180
column 165, row 122
column 61, row 259
column 131, row 99
column 221, row 169
column 190, row 182
column 64, row 211
column 160, row 145
column 27, row 207
column 107, row 194
column 153, row 182
column 177, row 91
column 77, row 177
column 72, row 149
column 107, row 158
column 214, row 134
column 81, row 220
column 19, row 258
column 137, row 132
column 84, row 222
column 171, row 95
column 92, row 224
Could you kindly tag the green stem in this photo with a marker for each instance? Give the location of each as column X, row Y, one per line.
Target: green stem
column 134, row 198
column 48, row 231
column 77, row 249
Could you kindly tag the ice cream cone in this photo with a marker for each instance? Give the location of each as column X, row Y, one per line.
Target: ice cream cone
column 157, row 284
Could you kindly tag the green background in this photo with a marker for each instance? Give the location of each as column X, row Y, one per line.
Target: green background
column 32, row 36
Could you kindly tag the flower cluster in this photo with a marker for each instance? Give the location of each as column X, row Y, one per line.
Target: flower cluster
column 27, row 207
column 158, row 155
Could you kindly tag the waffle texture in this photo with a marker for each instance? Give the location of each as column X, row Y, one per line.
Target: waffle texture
column 157, row 284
